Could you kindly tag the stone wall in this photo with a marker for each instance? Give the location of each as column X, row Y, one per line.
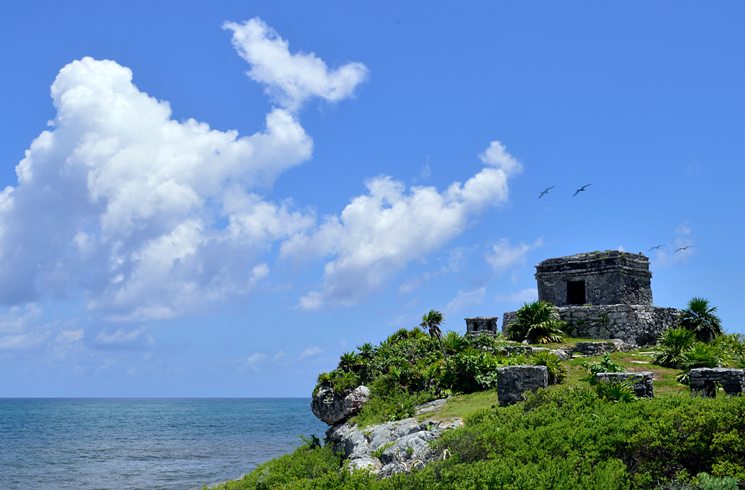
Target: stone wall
column 481, row 325
column 636, row 324
column 641, row 383
column 610, row 278
column 514, row 381
column 703, row 381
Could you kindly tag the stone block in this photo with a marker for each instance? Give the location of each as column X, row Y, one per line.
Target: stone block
column 641, row 382
column 703, row 381
column 514, row 381
column 479, row 325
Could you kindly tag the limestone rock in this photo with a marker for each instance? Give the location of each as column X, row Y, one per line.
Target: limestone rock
column 389, row 448
column 514, row 381
column 333, row 408
column 703, row 381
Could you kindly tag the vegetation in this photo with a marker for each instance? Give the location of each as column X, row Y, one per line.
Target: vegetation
column 537, row 323
column 562, row 438
column 701, row 318
column 576, row 435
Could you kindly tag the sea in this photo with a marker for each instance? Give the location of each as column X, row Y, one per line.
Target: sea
column 145, row 443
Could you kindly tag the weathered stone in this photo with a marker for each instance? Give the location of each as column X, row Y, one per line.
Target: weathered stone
column 514, row 381
column 641, row 383
column 429, row 407
column 598, row 278
column 333, row 407
column 479, row 325
column 633, row 324
column 703, row 381
column 528, row 350
column 602, row 295
column 389, row 448
column 598, row 348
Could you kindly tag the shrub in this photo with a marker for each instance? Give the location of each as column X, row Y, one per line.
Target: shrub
column 557, row 373
column 673, row 343
column 606, row 365
column 537, row 323
column 471, row 370
column 615, row 392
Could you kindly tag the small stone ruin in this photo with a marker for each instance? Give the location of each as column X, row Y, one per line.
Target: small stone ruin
column 514, row 381
column 480, row 325
column 602, row 295
column 640, row 382
column 703, row 381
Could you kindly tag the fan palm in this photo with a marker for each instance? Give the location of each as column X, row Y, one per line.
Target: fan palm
column 431, row 322
column 537, row 323
column 701, row 318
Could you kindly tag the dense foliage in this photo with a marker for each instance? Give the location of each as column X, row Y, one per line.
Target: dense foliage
column 563, row 438
column 410, row 367
column 700, row 318
column 537, row 323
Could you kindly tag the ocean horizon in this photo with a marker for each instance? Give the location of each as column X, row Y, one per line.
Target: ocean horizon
column 154, row 443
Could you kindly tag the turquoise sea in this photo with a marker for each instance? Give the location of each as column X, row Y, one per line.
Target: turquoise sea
column 144, row 443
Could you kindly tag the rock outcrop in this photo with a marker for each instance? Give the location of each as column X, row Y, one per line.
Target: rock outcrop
column 333, row 407
column 389, row 448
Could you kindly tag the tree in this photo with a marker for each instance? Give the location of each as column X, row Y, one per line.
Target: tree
column 700, row 318
column 537, row 323
column 431, row 322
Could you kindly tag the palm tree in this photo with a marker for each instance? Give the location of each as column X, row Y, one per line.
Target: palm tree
column 700, row 317
column 537, row 323
column 431, row 322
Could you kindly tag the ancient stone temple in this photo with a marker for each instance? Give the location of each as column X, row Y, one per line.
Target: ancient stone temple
column 603, row 295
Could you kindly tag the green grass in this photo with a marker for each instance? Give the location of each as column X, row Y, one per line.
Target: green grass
column 464, row 405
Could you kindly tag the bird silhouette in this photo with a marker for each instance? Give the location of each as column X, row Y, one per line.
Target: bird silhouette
column 545, row 191
column 656, row 247
column 581, row 189
column 683, row 248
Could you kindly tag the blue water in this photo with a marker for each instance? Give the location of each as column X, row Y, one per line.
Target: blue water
column 144, row 443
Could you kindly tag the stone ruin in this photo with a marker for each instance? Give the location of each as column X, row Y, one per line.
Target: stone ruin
column 480, row 324
column 703, row 381
column 602, row 295
column 514, row 381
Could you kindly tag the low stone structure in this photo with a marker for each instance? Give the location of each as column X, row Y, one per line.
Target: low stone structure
column 703, row 381
column 480, row 324
column 598, row 348
column 528, row 350
column 333, row 407
column 602, row 295
column 514, row 381
column 640, row 382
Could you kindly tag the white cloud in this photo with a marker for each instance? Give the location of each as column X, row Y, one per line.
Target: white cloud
column 291, row 78
column 503, row 255
column 311, row 351
column 124, row 339
column 150, row 216
column 255, row 359
column 464, row 299
column 497, row 156
column 380, row 232
column 519, row 297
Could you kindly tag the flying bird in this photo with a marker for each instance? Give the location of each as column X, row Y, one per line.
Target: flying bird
column 581, row 189
column 683, row 248
column 545, row 191
column 656, row 247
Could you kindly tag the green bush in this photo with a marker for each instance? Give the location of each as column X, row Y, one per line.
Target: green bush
column 537, row 323
column 673, row 344
column 614, row 391
column 471, row 370
column 700, row 318
column 557, row 373
column 606, row 365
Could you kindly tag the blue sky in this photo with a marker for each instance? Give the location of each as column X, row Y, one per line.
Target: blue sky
column 217, row 199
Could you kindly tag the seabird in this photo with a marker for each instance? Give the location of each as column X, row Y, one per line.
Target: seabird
column 545, row 191
column 683, row 248
column 581, row 189
column 656, row 247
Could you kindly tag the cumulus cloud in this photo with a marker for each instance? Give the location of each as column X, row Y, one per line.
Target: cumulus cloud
column 380, row 232
column 291, row 78
column 124, row 339
column 504, row 255
column 146, row 215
